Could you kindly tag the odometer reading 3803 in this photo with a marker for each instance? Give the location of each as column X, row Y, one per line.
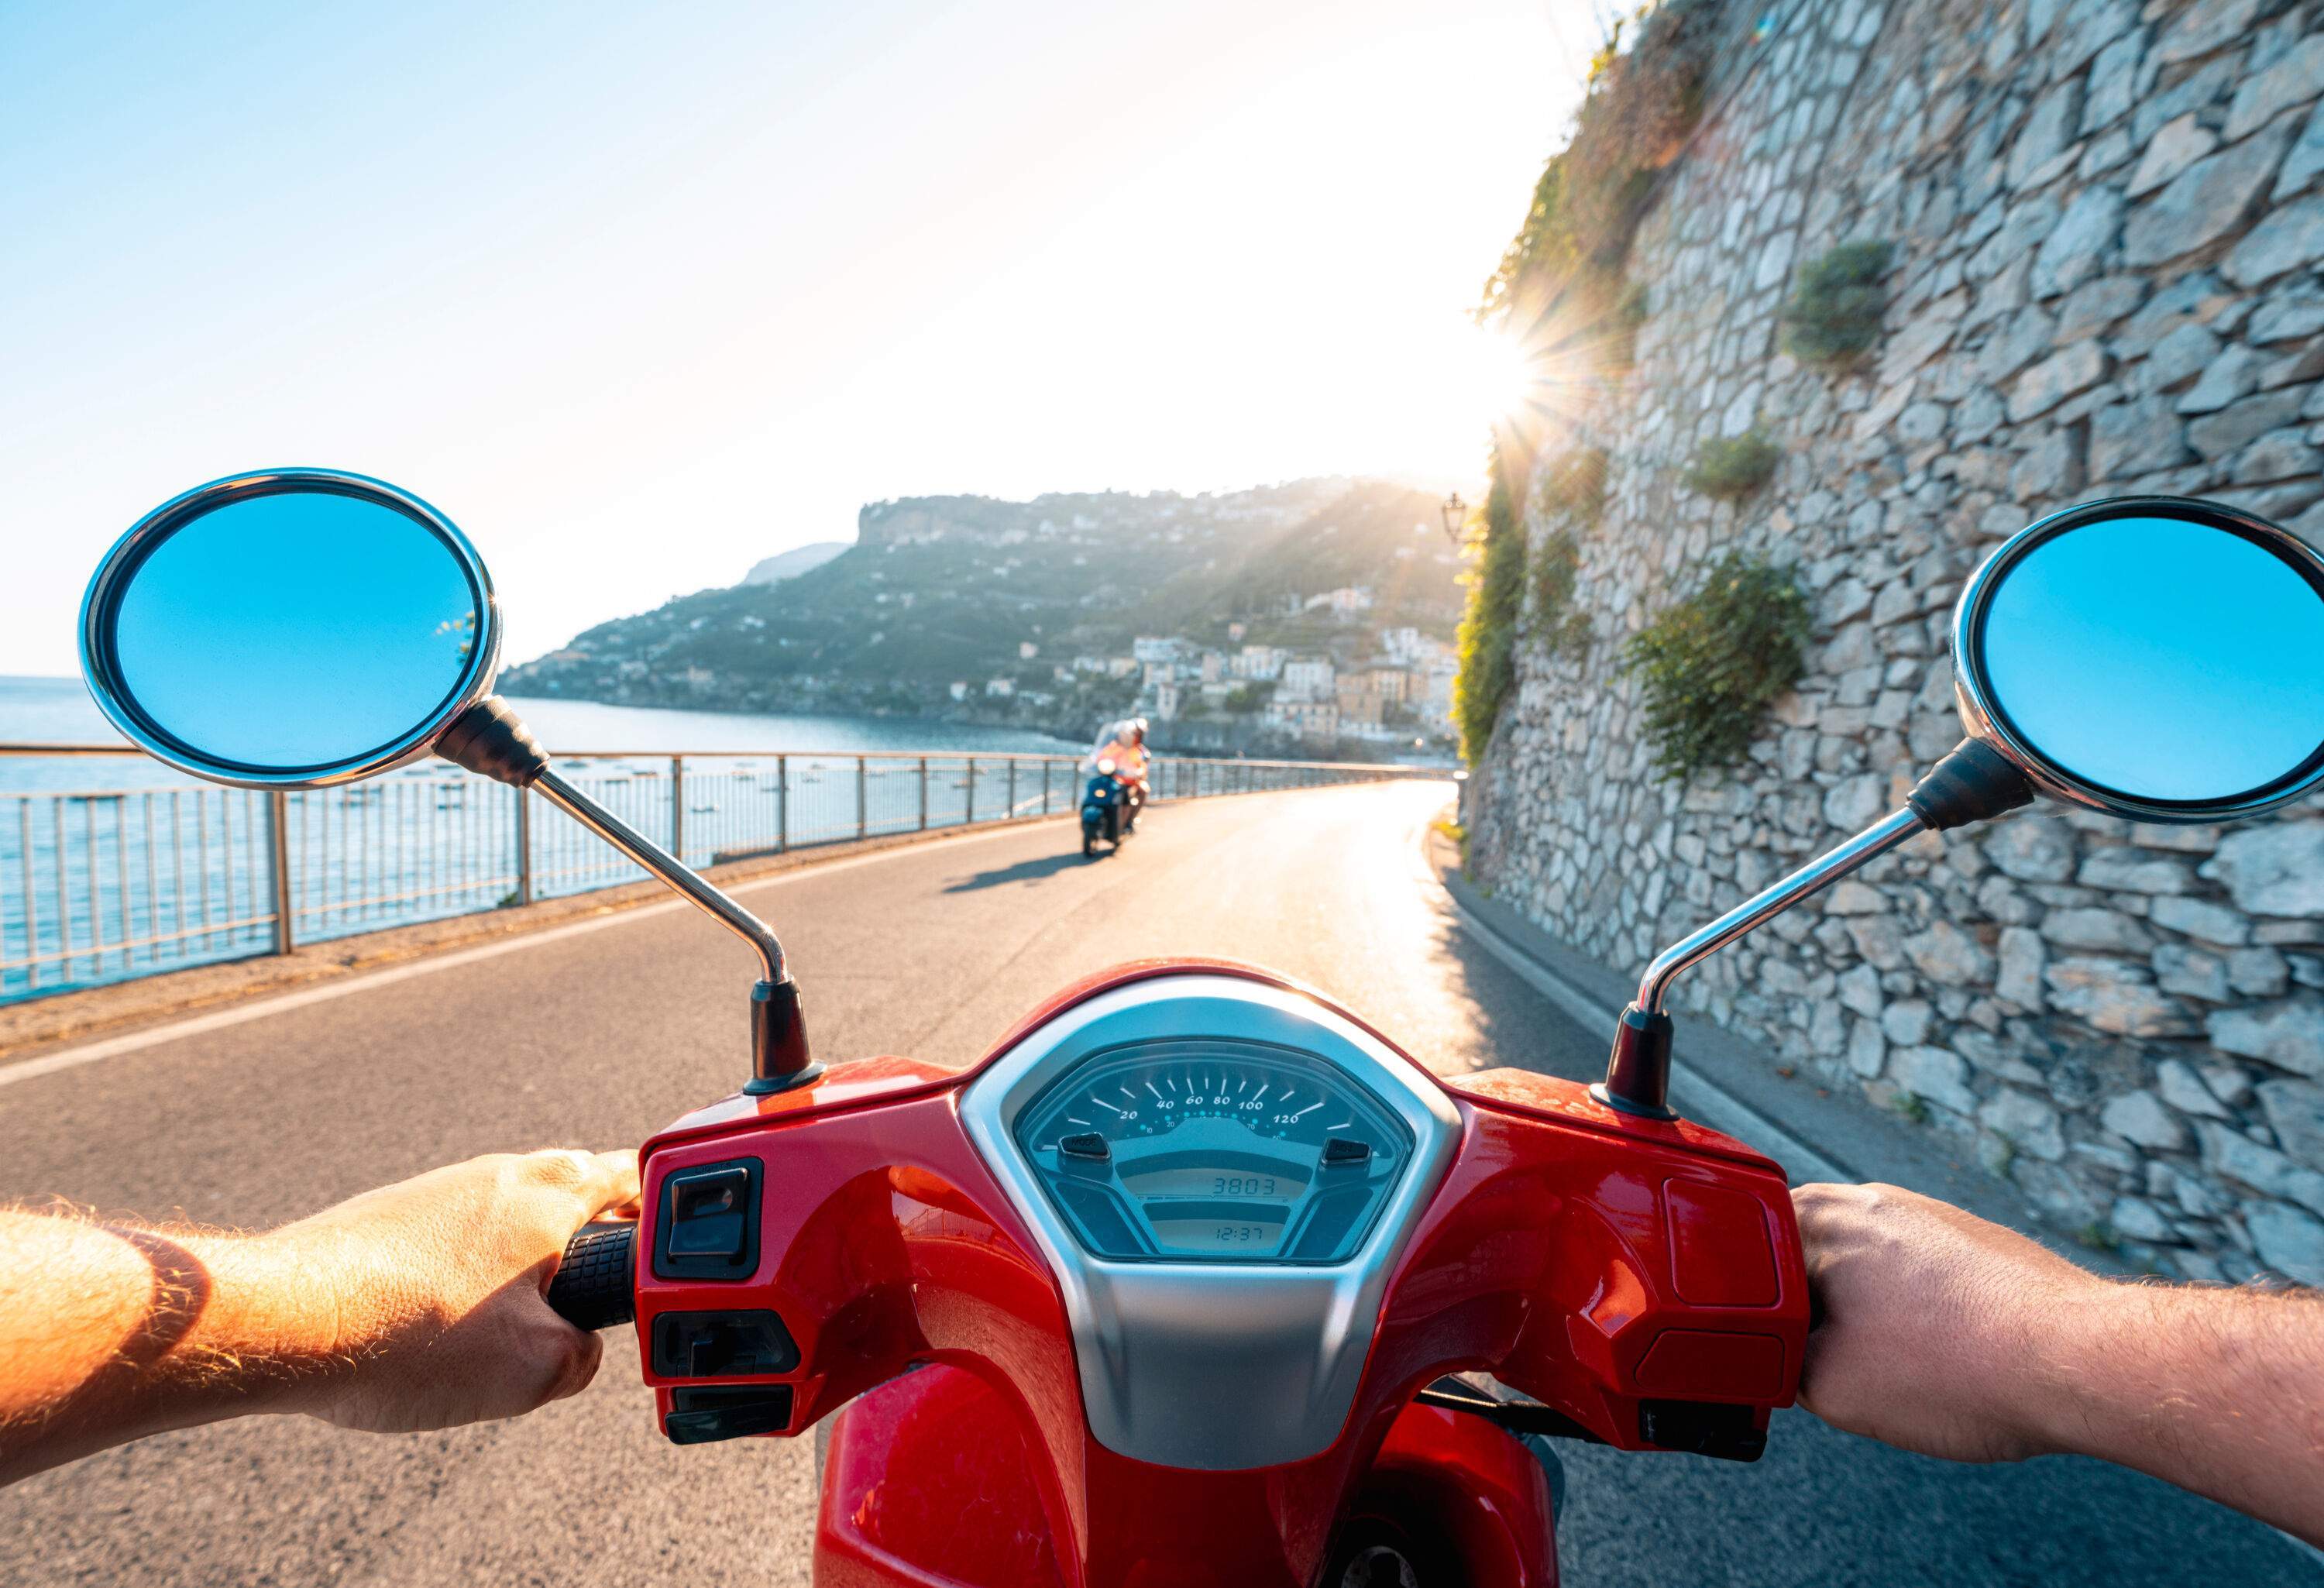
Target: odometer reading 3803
column 1216, row 1150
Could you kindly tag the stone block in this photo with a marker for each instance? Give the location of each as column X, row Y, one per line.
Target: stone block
column 2056, row 378
column 2287, row 1240
column 2289, row 1035
column 1949, row 957
column 2293, row 79
column 2259, row 972
column 2229, row 1152
column 2291, row 238
column 2085, row 235
column 2107, row 930
column 2190, row 973
column 2176, row 144
column 2022, row 959
column 2128, row 438
column 2306, row 159
column 2225, row 377
column 1907, row 1021
column 2200, row 919
column 2204, row 201
column 2236, row 426
column 2031, row 847
column 2125, row 870
column 2295, row 1113
column 2112, row 996
column 2025, row 1120
column 2139, row 1117
column 2138, row 1220
column 1934, row 1074
column 2277, row 869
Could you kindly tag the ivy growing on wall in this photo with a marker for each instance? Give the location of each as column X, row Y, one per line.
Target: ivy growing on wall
column 1712, row 664
column 1571, row 494
column 1560, row 290
column 1488, row 627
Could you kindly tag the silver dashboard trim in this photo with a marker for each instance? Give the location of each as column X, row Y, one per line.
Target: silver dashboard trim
column 1214, row 1366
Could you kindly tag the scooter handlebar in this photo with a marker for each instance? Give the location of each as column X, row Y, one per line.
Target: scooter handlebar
column 596, row 1287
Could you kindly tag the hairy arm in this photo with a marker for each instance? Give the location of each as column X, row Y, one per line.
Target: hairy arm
column 1946, row 1334
column 417, row 1306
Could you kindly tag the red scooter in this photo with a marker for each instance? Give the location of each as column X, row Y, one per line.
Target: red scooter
column 1197, row 1278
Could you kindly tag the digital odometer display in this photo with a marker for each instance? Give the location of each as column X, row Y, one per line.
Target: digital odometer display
column 1218, row 1149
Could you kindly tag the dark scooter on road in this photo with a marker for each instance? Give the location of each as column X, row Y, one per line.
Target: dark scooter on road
column 1206, row 1281
column 1109, row 807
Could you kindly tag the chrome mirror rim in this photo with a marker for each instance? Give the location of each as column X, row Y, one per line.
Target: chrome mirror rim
column 99, row 606
column 1985, row 721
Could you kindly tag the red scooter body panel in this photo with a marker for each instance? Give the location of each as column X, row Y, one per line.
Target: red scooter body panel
column 1611, row 1268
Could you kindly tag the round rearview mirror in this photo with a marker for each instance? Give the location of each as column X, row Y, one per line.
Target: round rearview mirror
column 2158, row 658
column 291, row 628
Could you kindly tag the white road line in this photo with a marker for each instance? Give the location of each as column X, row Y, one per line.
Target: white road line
column 49, row 1064
column 1697, row 1096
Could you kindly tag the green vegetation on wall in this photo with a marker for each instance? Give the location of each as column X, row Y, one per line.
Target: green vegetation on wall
column 1731, row 469
column 1712, row 664
column 1834, row 316
column 1487, row 640
column 1640, row 106
column 1560, row 290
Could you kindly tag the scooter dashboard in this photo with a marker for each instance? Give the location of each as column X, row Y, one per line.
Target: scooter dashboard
column 1213, row 1150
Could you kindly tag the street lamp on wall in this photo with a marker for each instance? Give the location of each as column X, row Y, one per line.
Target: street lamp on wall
column 1455, row 513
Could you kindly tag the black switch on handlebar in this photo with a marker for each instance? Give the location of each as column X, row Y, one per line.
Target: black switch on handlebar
column 709, row 1222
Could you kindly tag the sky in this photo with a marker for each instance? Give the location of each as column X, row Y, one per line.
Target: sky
column 639, row 295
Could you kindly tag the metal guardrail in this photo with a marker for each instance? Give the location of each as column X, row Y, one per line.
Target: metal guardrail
column 104, row 884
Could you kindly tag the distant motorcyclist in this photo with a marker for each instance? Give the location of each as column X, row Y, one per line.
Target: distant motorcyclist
column 1123, row 743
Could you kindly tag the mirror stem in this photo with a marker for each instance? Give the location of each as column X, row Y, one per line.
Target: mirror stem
column 489, row 739
column 1761, row 908
column 780, row 1058
column 665, row 866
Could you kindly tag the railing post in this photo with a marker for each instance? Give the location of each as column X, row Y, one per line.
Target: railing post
column 968, row 819
column 1045, row 785
column 678, row 806
column 524, row 846
column 1008, row 814
column 278, row 834
column 862, row 817
column 923, row 793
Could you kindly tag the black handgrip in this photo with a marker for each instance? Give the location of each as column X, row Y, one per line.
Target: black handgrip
column 596, row 1287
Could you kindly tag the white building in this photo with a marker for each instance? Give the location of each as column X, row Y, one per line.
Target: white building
column 999, row 688
column 1307, row 719
column 1308, row 680
column 1027, row 650
column 1148, row 648
column 1165, row 700
column 1258, row 663
column 960, row 689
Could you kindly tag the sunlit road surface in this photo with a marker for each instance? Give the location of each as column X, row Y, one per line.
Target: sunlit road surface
column 598, row 1038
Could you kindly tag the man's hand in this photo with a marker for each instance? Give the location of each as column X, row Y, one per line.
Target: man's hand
column 1925, row 1318
column 438, row 1284
column 416, row 1306
column 1943, row 1334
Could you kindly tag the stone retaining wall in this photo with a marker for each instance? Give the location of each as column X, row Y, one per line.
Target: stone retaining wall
column 2108, row 219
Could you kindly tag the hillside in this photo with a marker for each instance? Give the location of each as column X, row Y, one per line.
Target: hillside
column 939, row 591
column 789, row 565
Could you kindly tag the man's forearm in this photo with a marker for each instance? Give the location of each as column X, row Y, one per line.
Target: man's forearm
column 2219, row 1392
column 125, row 1331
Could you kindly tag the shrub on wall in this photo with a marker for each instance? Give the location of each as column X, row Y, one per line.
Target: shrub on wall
column 1732, row 468
column 1714, row 663
column 1834, row 316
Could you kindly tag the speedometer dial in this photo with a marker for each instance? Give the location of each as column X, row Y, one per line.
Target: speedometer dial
column 1216, row 1150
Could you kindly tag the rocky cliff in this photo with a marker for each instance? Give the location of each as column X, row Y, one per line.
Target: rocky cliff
column 2106, row 220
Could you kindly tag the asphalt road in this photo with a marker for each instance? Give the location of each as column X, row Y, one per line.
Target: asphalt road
column 596, row 1038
